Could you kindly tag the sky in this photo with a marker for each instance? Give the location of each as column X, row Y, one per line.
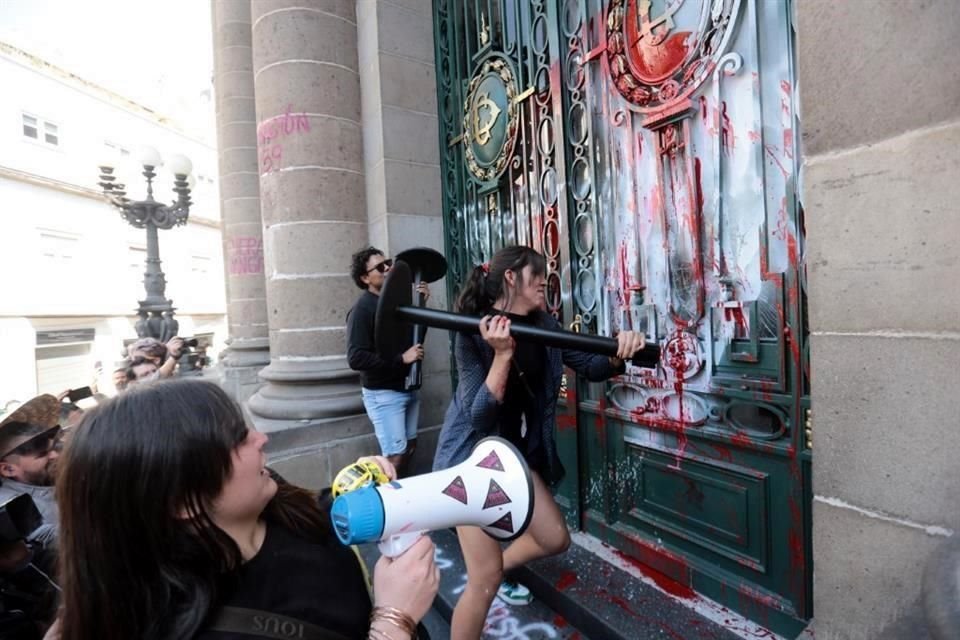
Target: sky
column 159, row 54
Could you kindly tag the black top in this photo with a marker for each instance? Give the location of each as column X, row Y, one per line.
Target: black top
column 318, row 582
column 362, row 356
column 520, row 414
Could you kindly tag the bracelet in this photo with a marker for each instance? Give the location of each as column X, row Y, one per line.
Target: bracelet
column 376, row 634
column 397, row 618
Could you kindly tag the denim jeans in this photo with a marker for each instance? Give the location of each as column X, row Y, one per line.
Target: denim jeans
column 394, row 415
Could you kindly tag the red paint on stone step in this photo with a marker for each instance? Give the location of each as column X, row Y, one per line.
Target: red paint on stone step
column 663, row 581
column 567, row 580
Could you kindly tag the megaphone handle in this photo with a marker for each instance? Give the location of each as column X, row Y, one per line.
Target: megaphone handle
column 398, row 543
column 414, row 378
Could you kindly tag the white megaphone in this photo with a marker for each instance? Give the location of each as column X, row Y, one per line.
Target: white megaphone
column 492, row 489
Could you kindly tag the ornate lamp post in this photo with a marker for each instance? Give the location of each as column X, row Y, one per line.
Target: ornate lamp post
column 155, row 311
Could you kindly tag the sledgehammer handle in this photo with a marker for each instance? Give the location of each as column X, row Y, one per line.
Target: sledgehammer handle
column 649, row 356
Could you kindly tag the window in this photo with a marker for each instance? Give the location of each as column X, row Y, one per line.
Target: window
column 58, row 246
column 51, row 133
column 200, row 265
column 119, row 150
column 30, row 126
column 33, row 126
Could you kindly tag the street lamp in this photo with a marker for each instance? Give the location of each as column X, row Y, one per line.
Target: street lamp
column 156, row 311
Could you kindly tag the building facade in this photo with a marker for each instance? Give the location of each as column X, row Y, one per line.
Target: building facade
column 661, row 156
column 72, row 267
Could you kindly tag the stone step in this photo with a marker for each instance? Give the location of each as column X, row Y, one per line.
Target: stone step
column 530, row 622
column 607, row 596
column 589, row 593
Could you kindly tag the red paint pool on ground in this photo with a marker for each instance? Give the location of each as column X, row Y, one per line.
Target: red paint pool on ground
column 666, row 583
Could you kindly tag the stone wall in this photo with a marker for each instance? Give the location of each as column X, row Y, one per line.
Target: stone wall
column 402, row 164
column 880, row 106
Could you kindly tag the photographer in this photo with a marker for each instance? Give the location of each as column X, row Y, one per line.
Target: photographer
column 163, row 356
column 29, row 439
column 150, row 359
column 28, row 459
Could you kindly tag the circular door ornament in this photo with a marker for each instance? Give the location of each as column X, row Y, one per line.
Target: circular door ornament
column 490, row 118
column 661, row 52
column 682, row 357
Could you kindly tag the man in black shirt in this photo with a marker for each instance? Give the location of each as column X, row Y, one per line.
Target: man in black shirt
column 393, row 410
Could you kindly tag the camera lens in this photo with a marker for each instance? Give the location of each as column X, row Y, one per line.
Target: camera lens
column 192, row 342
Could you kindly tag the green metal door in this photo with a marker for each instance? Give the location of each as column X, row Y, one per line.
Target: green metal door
column 648, row 149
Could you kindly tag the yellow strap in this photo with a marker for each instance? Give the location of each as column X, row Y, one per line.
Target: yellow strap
column 367, row 580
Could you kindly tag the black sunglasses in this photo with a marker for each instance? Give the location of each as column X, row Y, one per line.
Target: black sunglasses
column 39, row 445
column 383, row 266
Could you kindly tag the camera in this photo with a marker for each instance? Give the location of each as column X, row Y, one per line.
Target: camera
column 191, row 361
column 19, row 517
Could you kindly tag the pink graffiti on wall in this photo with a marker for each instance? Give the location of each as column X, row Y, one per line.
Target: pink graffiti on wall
column 245, row 255
column 271, row 134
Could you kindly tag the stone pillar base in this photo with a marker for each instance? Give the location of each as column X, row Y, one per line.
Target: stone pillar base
column 312, row 453
column 250, row 352
column 307, row 390
column 239, row 369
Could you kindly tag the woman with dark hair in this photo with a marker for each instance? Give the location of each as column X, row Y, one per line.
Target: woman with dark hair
column 510, row 389
column 173, row 528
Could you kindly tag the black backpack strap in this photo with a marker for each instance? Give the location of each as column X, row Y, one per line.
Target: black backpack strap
column 262, row 624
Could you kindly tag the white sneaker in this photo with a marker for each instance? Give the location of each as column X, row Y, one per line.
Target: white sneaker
column 514, row 593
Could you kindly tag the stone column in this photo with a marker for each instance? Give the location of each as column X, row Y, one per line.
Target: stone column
column 248, row 350
column 310, row 152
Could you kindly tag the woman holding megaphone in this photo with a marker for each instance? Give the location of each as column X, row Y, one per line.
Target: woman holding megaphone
column 511, row 389
column 172, row 528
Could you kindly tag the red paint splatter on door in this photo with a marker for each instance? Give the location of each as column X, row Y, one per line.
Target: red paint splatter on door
column 677, row 360
column 728, row 139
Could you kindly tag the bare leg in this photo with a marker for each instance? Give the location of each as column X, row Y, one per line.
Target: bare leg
column 547, row 534
column 481, row 553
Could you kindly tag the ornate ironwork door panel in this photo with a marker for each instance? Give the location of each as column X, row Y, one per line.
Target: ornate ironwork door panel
column 503, row 169
column 502, row 166
column 647, row 148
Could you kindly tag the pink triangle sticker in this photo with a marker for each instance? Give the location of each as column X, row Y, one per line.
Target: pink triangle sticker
column 495, row 496
column 504, row 524
column 456, row 490
column 492, row 461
